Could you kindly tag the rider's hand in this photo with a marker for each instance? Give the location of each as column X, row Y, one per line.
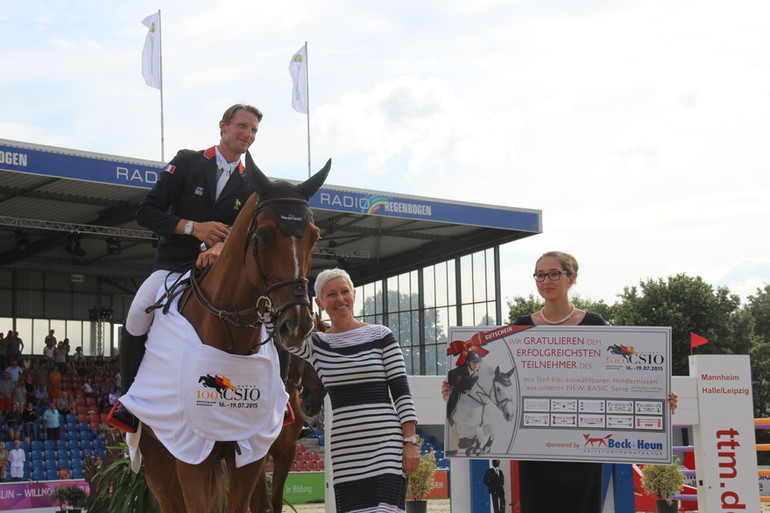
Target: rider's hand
column 208, row 257
column 445, row 389
column 210, row 232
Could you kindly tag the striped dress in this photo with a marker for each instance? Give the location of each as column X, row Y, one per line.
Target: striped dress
column 362, row 369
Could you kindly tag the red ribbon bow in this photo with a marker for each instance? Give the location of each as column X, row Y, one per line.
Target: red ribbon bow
column 462, row 347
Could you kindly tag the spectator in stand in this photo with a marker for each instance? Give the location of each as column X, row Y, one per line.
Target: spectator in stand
column 29, row 385
column 104, row 404
column 41, row 395
column 3, row 351
column 48, row 351
column 112, row 397
column 29, row 416
column 17, row 457
column 51, row 421
column 64, row 473
column 20, row 395
column 14, row 370
column 72, row 406
column 65, row 344
column 106, row 386
column 15, row 347
column 50, row 338
column 60, row 357
column 78, row 360
column 3, row 459
column 88, row 388
column 13, row 419
column 6, row 391
column 55, row 385
column 63, row 403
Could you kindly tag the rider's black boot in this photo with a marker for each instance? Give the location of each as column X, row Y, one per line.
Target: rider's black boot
column 131, row 354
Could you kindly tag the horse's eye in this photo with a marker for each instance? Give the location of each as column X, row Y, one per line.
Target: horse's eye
column 263, row 236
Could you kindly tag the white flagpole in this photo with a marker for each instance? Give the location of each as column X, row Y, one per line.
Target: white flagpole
column 160, row 60
column 307, row 95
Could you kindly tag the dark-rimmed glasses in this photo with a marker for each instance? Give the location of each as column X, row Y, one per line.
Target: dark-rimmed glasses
column 552, row 275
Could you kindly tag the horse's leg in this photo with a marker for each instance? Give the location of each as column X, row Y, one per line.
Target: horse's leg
column 243, row 480
column 198, row 484
column 283, row 451
column 160, row 474
column 259, row 501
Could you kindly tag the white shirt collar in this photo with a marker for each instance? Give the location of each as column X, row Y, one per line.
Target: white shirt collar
column 224, row 165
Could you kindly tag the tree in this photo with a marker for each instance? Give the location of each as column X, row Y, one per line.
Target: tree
column 403, row 320
column 759, row 308
column 687, row 304
column 519, row 306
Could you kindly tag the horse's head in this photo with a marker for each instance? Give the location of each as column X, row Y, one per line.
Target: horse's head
column 282, row 238
column 504, row 393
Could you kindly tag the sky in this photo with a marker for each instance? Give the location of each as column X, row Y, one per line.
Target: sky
column 640, row 129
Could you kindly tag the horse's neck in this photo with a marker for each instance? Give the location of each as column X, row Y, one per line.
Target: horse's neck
column 227, row 287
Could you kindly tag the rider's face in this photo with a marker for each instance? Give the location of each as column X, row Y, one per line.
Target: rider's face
column 474, row 365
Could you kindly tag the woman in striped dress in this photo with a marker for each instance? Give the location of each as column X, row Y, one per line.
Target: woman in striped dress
column 373, row 439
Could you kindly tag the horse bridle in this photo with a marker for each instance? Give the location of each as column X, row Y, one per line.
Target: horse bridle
column 264, row 310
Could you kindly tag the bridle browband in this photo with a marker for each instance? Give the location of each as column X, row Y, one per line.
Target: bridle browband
column 264, row 310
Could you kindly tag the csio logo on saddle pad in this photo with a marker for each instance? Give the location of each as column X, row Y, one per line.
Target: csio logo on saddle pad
column 230, row 397
column 245, row 396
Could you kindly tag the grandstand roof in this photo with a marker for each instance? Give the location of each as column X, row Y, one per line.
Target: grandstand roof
column 48, row 193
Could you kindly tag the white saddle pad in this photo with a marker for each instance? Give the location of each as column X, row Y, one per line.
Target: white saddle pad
column 193, row 395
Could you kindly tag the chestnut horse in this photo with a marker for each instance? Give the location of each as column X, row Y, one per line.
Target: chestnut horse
column 260, row 277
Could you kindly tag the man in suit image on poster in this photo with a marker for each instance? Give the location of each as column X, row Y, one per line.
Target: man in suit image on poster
column 495, row 482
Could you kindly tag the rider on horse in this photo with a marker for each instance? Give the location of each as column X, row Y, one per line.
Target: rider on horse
column 461, row 379
column 195, row 200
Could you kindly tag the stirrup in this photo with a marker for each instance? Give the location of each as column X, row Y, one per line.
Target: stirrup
column 288, row 415
column 122, row 419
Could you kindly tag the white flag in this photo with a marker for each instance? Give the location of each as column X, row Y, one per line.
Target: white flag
column 298, row 70
column 151, row 52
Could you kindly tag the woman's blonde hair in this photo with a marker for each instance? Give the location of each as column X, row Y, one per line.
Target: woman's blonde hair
column 330, row 274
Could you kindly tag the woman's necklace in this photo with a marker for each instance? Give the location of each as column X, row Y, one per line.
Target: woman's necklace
column 571, row 313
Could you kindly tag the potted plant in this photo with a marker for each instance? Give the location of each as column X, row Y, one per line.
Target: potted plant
column 420, row 483
column 72, row 496
column 663, row 481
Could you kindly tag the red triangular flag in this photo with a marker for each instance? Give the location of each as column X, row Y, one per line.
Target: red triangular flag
column 697, row 340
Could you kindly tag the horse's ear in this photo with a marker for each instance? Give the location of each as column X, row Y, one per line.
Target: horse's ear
column 497, row 371
column 312, row 184
column 255, row 176
column 510, row 372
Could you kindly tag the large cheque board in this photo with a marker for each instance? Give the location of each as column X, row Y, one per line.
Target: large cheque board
column 560, row 393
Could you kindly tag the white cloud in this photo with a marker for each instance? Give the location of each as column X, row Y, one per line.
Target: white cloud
column 639, row 128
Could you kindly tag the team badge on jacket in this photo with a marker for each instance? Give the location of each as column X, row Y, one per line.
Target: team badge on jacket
column 237, row 205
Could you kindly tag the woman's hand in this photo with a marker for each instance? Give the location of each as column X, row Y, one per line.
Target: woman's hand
column 411, row 459
column 673, row 401
column 445, row 389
